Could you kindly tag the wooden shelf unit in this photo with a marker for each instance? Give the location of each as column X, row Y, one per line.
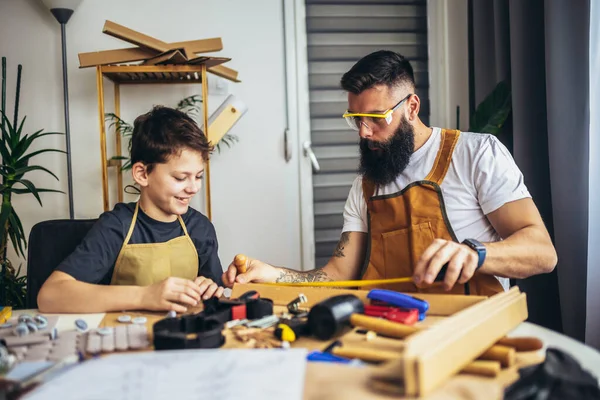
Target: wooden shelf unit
column 147, row 74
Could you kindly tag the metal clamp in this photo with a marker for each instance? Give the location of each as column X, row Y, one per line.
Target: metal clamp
column 294, row 306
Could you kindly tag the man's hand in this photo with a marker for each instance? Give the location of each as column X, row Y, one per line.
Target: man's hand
column 256, row 271
column 171, row 294
column 208, row 288
column 462, row 263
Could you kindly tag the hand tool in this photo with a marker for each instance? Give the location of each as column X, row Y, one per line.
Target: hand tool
column 331, row 316
column 291, row 329
column 241, row 263
column 407, row 317
column 360, row 282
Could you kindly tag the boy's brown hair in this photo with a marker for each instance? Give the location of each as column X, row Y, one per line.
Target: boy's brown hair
column 163, row 132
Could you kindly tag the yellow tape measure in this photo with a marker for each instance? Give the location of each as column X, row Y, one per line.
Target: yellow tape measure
column 355, row 283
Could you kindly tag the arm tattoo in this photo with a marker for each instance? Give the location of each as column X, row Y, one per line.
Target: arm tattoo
column 316, row 275
column 339, row 250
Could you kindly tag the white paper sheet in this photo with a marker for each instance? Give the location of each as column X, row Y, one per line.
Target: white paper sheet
column 183, row 374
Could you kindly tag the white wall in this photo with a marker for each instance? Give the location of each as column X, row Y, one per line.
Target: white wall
column 254, row 192
column 458, row 63
column 448, row 62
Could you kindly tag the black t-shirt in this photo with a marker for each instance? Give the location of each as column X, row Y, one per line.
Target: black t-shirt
column 93, row 261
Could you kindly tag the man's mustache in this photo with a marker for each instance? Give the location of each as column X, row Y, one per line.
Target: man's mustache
column 372, row 144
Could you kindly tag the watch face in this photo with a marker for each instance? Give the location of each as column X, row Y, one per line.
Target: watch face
column 474, row 244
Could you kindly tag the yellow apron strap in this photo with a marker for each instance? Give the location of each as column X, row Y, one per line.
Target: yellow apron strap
column 131, row 227
column 444, row 156
column 125, row 242
column 368, row 188
column 186, row 234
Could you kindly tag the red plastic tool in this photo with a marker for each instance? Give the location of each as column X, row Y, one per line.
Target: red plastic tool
column 404, row 316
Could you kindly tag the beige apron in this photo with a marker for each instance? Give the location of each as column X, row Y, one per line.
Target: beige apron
column 144, row 264
column 402, row 225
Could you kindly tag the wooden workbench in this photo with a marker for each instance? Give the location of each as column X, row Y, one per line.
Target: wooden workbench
column 334, row 381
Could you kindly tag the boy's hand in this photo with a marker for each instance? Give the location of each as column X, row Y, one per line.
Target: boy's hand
column 256, row 271
column 171, row 294
column 208, row 288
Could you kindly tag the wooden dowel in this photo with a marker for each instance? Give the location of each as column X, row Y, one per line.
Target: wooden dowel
column 482, row 368
column 522, row 343
column 506, row 355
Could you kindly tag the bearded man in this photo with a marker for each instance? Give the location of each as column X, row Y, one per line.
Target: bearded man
column 428, row 202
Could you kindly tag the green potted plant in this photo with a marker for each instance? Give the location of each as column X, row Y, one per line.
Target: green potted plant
column 493, row 111
column 15, row 149
column 191, row 105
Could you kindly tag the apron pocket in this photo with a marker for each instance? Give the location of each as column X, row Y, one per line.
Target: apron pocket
column 403, row 247
column 143, row 265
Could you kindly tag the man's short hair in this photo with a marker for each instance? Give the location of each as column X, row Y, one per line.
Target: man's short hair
column 163, row 132
column 381, row 67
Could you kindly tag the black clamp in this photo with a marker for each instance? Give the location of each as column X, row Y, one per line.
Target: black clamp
column 204, row 330
column 188, row 332
column 247, row 306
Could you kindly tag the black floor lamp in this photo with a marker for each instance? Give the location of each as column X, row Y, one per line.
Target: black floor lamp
column 62, row 11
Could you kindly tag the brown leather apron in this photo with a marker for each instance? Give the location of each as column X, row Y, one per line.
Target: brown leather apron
column 144, row 264
column 403, row 224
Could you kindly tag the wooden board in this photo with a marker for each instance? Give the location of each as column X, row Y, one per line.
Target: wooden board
column 439, row 304
column 134, row 37
column 168, row 57
column 224, row 72
column 133, row 54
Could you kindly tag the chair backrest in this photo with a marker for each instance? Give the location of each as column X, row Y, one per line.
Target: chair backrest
column 50, row 242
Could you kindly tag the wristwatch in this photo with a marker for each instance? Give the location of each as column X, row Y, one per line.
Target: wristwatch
column 479, row 248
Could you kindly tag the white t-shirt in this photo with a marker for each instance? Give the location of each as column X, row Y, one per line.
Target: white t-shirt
column 482, row 177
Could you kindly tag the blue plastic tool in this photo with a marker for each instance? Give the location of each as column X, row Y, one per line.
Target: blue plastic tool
column 326, row 357
column 398, row 299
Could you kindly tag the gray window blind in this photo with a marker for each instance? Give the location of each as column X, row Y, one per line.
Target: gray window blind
column 340, row 32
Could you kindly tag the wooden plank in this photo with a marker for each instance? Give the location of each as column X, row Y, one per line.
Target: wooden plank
column 107, row 57
column 100, row 89
column 224, row 72
column 437, row 353
column 134, row 37
column 209, row 61
column 168, row 57
column 133, row 54
column 151, row 68
column 223, row 123
column 439, row 304
column 118, row 146
column 188, row 53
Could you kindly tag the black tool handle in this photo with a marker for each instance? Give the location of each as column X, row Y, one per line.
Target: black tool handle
column 442, row 274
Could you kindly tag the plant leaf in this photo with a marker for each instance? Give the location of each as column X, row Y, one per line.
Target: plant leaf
column 120, row 126
column 35, row 153
column 492, row 112
column 27, row 191
column 24, row 144
column 32, row 189
column 17, row 234
column 5, row 215
column 23, row 171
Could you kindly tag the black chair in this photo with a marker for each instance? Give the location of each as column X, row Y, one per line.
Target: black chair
column 50, row 242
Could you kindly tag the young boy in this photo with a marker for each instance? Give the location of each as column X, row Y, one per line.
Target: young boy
column 156, row 254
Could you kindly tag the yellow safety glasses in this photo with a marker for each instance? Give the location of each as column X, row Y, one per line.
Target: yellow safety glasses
column 372, row 121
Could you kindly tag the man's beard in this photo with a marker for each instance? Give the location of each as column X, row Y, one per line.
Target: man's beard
column 388, row 159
